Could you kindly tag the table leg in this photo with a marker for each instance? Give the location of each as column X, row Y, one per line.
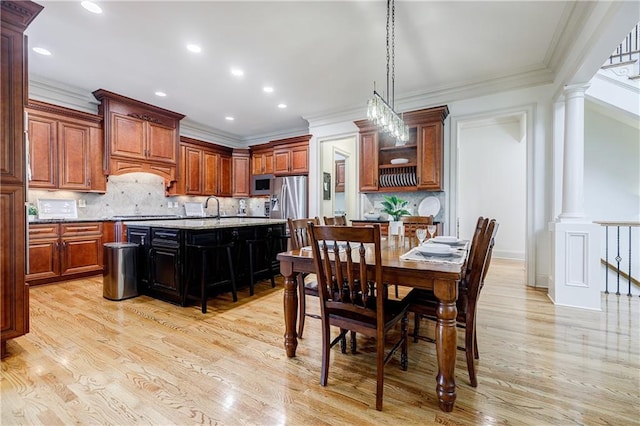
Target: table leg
column 446, row 343
column 290, row 308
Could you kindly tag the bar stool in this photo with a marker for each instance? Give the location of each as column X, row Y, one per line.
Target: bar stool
column 261, row 257
column 211, row 267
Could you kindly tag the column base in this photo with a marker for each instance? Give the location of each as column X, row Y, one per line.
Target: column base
column 576, row 260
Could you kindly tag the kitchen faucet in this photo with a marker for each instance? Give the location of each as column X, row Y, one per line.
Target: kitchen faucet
column 206, row 203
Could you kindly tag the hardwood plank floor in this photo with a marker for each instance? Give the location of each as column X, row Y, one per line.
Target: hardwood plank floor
column 88, row 360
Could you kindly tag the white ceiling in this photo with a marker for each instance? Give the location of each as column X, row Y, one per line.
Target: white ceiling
column 321, row 57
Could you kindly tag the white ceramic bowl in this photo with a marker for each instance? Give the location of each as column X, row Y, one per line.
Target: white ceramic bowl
column 372, row 216
column 399, row 161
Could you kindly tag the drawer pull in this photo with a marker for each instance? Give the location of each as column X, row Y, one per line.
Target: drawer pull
column 166, row 234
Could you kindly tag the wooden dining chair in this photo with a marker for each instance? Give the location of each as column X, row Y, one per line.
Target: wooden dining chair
column 424, row 304
column 411, row 224
column 307, row 284
column 336, row 220
column 350, row 297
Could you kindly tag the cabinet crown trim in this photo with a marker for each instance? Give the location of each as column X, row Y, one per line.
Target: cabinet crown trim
column 39, row 106
column 101, row 94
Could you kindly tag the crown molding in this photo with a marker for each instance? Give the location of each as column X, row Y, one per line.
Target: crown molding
column 43, row 89
column 443, row 95
column 267, row 137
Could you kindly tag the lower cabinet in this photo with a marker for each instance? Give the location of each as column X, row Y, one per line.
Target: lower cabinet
column 164, row 266
column 63, row 250
column 142, row 237
column 165, row 273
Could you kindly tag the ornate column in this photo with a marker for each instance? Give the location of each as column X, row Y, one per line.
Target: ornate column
column 573, row 160
column 575, row 240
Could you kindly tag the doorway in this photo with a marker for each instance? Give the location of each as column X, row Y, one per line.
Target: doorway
column 338, row 168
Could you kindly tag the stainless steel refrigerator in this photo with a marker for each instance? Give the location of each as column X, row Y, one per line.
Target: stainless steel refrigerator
column 289, row 197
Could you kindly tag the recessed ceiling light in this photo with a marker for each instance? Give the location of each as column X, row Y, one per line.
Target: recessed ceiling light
column 268, row 89
column 161, row 94
column 282, row 106
column 237, row 72
column 229, row 118
column 42, row 51
column 91, row 7
column 194, row 48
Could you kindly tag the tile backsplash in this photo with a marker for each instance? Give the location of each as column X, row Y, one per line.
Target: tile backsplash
column 140, row 194
column 371, row 202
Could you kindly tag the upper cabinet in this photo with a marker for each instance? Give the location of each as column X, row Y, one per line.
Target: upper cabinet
column 139, row 137
column 291, row 156
column 262, row 161
column 65, row 149
column 205, row 169
column 240, row 170
column 417, row 165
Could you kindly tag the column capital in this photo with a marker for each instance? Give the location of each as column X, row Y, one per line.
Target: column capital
column 577, row 88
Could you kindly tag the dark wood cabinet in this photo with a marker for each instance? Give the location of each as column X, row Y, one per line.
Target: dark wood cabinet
column 159, row 267
column 15, row 17
column 340, row 175
column 44, row 252
column 165, row 265
column 240, row 170
column 368, row 161
column 205, row 169
column 291, row 157
column 139, row 137
column 65, row 148
column 59, row 251
column 142, row 237
column 421, row 156
column 262, row 161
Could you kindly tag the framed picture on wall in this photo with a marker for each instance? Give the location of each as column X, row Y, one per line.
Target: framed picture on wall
column 326, row 186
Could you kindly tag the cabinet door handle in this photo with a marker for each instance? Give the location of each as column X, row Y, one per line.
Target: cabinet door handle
column 166, row 234
column 142, row 240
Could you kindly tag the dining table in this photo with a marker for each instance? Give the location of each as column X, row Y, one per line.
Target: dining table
column 400, row 266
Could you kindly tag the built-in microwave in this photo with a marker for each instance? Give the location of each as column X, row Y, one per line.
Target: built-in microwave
column 261, row 184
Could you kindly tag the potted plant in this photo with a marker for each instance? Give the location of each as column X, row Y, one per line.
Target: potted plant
column 395, row 207
column 32, row 212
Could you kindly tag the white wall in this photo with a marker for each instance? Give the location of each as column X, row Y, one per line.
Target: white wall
column 612, row 168
column 492, row 182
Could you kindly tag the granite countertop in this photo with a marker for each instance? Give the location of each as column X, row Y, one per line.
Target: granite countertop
column 206, row 223
column 135, row 219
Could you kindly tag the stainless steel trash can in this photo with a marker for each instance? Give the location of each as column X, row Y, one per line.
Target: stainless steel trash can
column 119, row 280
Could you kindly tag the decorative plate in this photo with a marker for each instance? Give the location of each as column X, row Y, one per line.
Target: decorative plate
column 435, row 249
column 430, row 206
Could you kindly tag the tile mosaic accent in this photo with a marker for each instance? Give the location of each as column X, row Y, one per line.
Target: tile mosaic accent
column 371, row 202
column 141, row 194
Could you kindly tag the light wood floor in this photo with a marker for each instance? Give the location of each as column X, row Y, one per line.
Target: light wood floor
column 88, row 360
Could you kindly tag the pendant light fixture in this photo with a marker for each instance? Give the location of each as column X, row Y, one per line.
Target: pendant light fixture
column 382, row 111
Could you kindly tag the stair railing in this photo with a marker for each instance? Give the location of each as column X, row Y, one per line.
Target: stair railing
column 619, row 241
column 628, row 49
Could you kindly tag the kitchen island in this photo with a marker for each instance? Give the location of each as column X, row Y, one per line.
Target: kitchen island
column 164, row 268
